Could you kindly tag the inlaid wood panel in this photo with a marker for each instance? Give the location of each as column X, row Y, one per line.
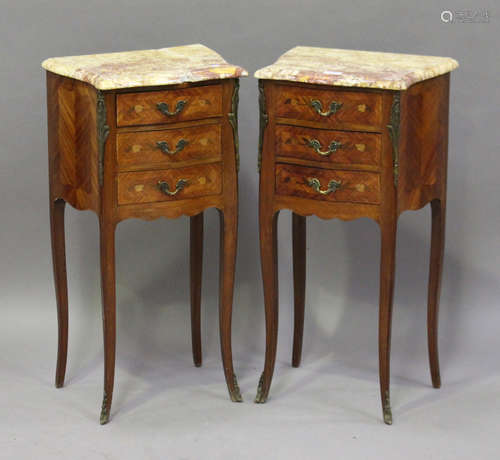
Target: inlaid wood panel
column 357, row 110
column 73, row 155
column 424, row 146
column 411, row 132
column 335, row 147
column 96, row 164
column 169, row 106
column 354, row 186
column 189, row 182
column 167, row 148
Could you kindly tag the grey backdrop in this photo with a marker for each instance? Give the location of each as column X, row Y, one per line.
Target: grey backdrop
column 165, row 408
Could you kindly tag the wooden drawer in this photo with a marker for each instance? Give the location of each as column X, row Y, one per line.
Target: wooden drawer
column 182, row 183
column 346, row 186
column 168, row 147
column 360, row 110
column 169, row 106
column 336, row 147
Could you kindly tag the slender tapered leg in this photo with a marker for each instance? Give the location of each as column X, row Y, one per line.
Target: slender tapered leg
column 269, row 261
column 436, row 268
column 196, row 264
column 299, row 284
column 228, row 233
column 61, row 284
column 387, row 274
column 108, row 288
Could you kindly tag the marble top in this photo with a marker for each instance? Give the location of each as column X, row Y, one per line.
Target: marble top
column 367, row 69
column 166, row 66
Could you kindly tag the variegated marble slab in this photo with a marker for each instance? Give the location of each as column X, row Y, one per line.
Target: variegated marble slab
column 130, row 69
column 367, row 69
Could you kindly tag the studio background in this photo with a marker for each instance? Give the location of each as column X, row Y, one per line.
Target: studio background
column 164, row 407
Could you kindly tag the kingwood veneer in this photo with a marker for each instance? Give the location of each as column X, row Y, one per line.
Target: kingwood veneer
column 349, row 134
column 144, row 134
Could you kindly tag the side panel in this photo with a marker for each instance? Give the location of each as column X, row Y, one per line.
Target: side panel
column 73, row 150
column 423, row 142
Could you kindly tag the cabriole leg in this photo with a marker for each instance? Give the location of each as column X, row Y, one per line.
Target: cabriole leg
column 228, row 232
column 196, row 265
column 387, row 275
column 436, row 268
column 108, row 288
column 299, row 284
column 57, row 234
column 269, row 261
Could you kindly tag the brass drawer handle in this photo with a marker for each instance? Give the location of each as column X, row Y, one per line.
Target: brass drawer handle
column 318, row 106
column 163, row 108
column 316, row 145
column 163, row 146
column 314, row 183
column 165, row 188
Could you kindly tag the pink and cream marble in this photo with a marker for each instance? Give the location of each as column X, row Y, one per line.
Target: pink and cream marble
column 366, row 69
column 166, row 66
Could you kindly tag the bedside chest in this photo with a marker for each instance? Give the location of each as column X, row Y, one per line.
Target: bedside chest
column 348, row 134
column 144, row 134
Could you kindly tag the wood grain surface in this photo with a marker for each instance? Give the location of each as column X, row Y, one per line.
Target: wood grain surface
column 355, row 149
column 188, row 146
column 140, row 108
column 142, row 187
column 359, row 109
column 355, row 187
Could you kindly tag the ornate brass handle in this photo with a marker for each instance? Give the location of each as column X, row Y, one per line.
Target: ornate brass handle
column 318, row 106
column 165, row 188
column 314, row 183
column 163, row 108
column 316, row 145
column 163, row 146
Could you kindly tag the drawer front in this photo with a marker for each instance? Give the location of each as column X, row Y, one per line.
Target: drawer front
column 336, row 147
column 328, row 185
column 169, row 106
column 165, row 148
column 169, row 184
column 362, row 110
